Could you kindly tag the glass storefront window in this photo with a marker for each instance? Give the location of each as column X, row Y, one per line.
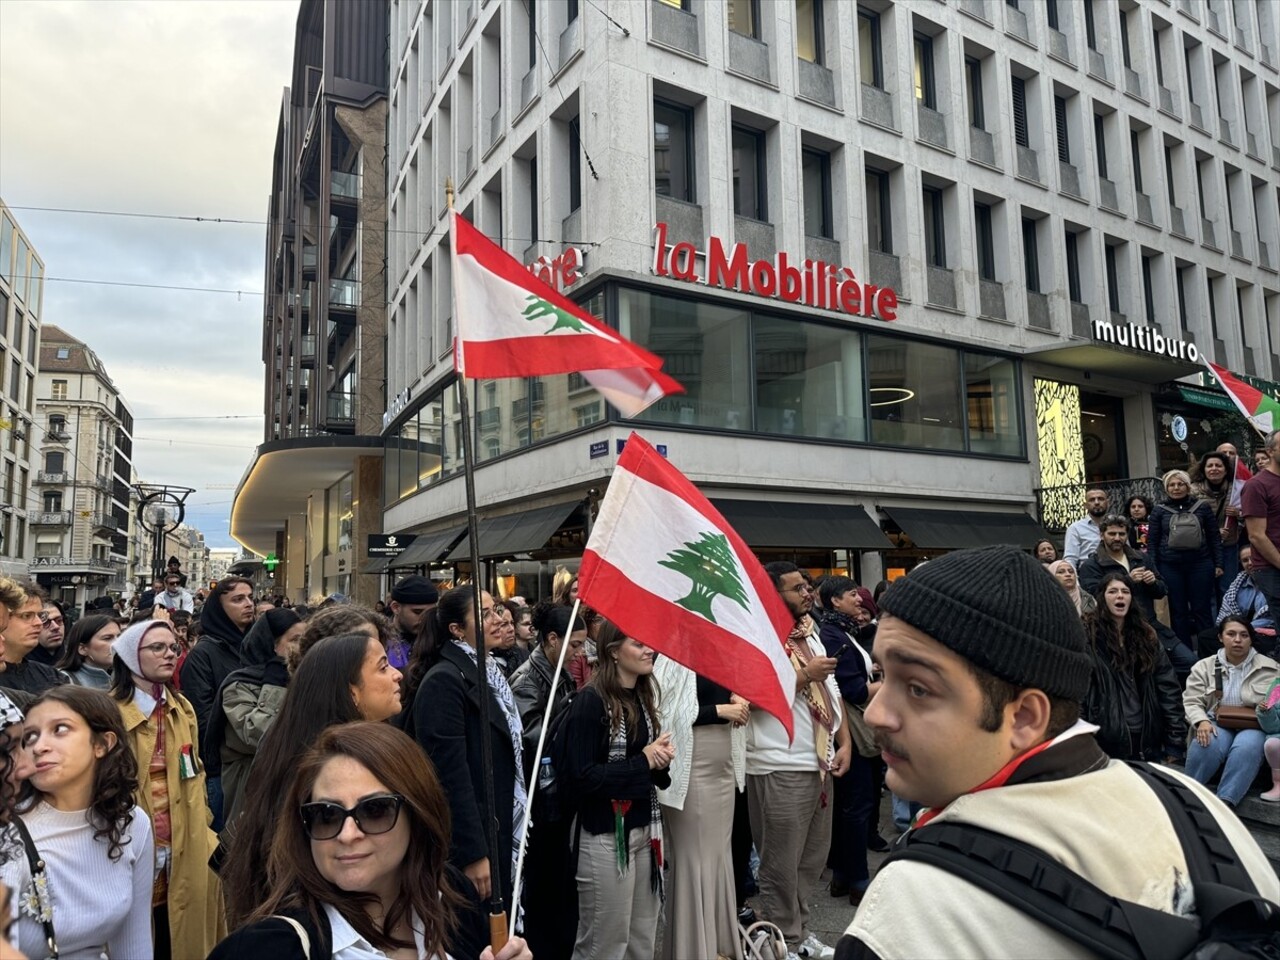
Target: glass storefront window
column 991, row 396
column 705, row 347
column 914, row 394
column 808, row 380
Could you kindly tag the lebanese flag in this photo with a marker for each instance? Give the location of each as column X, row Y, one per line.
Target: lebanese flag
column 1258, row 408
column 511, row 324
column 667, row 569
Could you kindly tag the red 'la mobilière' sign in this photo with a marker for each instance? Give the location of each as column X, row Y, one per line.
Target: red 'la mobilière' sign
column 816, row 283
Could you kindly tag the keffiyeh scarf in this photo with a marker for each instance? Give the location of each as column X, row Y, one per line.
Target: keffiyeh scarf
column 502, row 691
column 816, row 695
column 622, row 850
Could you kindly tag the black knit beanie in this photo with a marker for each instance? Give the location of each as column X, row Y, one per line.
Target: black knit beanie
column 997, row 608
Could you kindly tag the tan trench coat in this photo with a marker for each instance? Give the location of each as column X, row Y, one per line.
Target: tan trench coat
column 196, row 918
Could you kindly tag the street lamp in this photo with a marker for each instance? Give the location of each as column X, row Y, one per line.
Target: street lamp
column 160, row 511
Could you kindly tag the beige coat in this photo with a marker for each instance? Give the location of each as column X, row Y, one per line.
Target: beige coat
column 196, row 918
column 1200, row 692
column 1107, row 825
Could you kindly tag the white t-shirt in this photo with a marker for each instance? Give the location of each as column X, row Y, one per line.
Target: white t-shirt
column 767, row 748
column 100, row 905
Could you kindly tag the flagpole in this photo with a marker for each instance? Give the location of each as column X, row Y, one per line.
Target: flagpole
column 537, row 760
column 497, row 913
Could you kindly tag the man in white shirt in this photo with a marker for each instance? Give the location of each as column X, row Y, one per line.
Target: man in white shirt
column 173, row 596
column 789, row 789
column 1084, row 535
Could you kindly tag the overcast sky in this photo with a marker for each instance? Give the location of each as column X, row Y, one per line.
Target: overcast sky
column 156, row 107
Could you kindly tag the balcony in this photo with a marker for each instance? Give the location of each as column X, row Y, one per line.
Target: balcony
column 1069, row 178
column 942, row 287
column 1059, row 46
column 56, row 518
column 1207, row 235
column 489, row 418
column 982, row 147
column 1028, row 164
column 345, row 185
column 1197, row 117
column 1169, row 103
column 104, row 521
column 1145, row 214
column 1237, row 246
column 53, row 479
column 1081, row 326
column 1178, row 222
column 1098, row 66
column 309, row 258
column 340, row 407
column 100, row 483
column 1251, row 145
column 57, row 435
column 1038, row 315
column 877, row 107
column 307, row 348
column 885, row 270
column 991, row 299
column 1016, row 25
column 344, row 294
column 1108, row 196
column 932, row 126
column 1224, row 131
column 1132, row 83
column 976, row 9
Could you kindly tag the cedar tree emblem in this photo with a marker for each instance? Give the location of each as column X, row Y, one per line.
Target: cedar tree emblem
column 539, row 308
column 709, row 563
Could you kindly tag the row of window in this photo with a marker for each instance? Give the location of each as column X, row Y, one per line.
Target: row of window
column 743, row 371
column 20, row 267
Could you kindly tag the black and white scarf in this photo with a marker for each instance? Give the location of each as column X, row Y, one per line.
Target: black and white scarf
column 622, row 849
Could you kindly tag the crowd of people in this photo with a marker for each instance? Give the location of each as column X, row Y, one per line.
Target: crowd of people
column 221, row 775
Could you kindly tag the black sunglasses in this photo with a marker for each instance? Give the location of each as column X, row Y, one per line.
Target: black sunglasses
column 373, row 815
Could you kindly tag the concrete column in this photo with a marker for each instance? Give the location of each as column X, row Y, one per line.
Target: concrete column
column 366, row 489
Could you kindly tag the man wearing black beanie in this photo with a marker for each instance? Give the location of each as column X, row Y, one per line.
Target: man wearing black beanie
column 411, row 599
column 985, row 666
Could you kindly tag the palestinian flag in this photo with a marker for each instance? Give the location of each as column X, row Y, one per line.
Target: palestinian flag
column 668, row 570
column 1259, row 409
column 511, row 324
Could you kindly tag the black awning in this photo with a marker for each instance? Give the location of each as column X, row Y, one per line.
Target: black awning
column 958, row 529
column 376, row 565
column 517, row 532
column 428, row 548
column 826, row 526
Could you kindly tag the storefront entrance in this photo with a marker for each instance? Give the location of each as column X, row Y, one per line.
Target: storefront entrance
column 1102, row 437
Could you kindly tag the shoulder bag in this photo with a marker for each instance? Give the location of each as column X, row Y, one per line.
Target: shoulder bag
column 1232, row 717
column 40, row 905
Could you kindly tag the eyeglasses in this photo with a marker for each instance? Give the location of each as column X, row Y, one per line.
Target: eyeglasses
column 45, row 618
column 159, row 649
column 798, row 588
column 373, row 815
column 28, row 617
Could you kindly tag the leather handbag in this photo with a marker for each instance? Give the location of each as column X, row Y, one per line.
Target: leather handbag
column 864, row 738
column 1233, row 717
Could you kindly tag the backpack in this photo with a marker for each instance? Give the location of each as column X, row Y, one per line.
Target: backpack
column 1185, row 531
column 1234, row 921
column 551, row 803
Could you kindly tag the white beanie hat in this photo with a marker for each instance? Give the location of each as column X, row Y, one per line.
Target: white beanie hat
column 127, row 644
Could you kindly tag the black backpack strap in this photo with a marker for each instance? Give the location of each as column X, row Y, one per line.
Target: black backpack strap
column 1048, row 892
column 1210, row 856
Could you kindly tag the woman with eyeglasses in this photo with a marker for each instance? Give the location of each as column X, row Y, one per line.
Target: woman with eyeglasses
column 360, row 866
column 84, row 867
column 442, row 712
column 339, row 679
column 161, row 728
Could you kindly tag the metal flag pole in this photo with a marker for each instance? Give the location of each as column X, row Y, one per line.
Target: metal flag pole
column 497, row 912
column 537, row 760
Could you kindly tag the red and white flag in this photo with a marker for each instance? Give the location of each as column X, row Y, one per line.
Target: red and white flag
column 511, row 324
column 668, row 570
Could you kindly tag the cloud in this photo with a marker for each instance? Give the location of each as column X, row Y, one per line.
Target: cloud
column 160, row 107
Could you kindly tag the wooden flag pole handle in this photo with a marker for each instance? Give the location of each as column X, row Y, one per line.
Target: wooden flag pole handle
column 497, row 931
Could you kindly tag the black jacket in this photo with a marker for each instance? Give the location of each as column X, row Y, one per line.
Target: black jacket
column 595, row 781
column 1164, row 727
column 31, row 676
column 1158, row 551
column 211, row 660
column 531, row 686
column 259, row 665
column 446, row 722
column 1100, row 563
column 274, row 939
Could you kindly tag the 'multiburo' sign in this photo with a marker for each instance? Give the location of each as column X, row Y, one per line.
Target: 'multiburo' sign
column 814, row 283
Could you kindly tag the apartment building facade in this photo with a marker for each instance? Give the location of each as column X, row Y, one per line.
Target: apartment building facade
column 922, row 268
column 325, row 308
column 21, row 307
column 81, row 519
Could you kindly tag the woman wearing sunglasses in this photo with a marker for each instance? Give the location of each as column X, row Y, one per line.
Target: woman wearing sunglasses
column 360, row 865
column 339, row 679
column 160, row 725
